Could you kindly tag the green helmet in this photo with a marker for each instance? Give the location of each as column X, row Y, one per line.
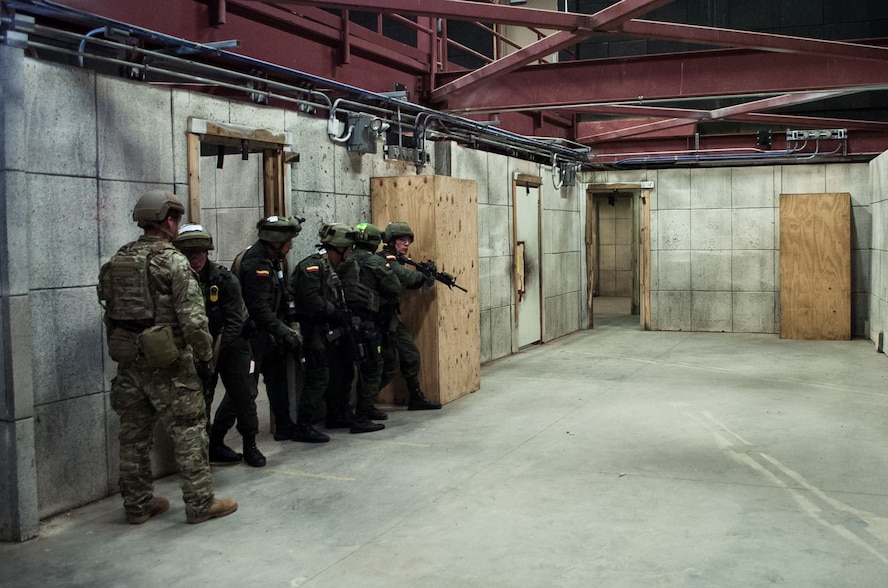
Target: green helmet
column 367, row 235
column 193, row 238
column 156, row 205
column 337, row 235
column 397, row 229
column 278, row 229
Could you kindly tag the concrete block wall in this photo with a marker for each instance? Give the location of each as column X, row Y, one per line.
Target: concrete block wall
column 878, row 296
column 561, row 218
column 715, row 263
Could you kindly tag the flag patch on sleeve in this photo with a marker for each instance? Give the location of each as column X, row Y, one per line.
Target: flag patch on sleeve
column 262, row 273
column 311, row 269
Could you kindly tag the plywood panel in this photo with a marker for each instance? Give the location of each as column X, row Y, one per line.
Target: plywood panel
column 443, row 213
column 815, row 266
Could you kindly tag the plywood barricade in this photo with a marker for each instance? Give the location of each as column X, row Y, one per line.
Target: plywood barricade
column 443, row 214
column 815, row 266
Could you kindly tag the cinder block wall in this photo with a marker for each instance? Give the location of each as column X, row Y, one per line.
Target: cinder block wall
column 878, row 296
column 715, row 262
column 563, row 278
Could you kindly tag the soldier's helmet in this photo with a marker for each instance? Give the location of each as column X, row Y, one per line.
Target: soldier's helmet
column 396, row 230
column 154, row 206
column 367, row 235
column 278, row 229
column 337, row 235
column 193, row 238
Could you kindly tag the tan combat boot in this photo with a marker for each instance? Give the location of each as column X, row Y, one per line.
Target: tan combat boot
column 158, row 505
column 220, row 507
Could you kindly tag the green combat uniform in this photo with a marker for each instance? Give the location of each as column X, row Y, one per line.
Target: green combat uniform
column 227, row 316
column 366, row 278
column 329, row 367
column 263, row 277
column 157, row 327
column 398, row 347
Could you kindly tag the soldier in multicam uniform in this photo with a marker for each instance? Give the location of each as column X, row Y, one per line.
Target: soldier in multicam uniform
column 366, row 278
column 231, row 350
column 157, row 328
column 328, row 357
column 398, row 347
column 263, row 273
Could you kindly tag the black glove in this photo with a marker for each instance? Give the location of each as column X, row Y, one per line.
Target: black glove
column 206, row 370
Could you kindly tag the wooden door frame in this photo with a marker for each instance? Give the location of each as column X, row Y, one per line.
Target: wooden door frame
column 642, row 226
column 273, row 146
column 526, row 181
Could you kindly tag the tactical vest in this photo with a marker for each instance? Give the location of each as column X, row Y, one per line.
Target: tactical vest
column 125, row 287
column 357, row 295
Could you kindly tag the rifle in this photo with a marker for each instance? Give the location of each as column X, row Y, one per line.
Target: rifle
column 428, row 268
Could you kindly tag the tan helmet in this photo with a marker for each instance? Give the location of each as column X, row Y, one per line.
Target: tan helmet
column 193, row 238
column 278, row 229
column 337, row 235
column 156, row 205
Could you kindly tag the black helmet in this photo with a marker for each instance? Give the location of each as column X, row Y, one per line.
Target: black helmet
column 193, row 238
column 156, row 205
column 277, row 229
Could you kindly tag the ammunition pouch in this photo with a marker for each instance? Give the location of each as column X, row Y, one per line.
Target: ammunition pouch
column 123, row 345
column 158, row 346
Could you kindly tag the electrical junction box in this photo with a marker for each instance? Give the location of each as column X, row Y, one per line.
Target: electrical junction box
column 816, row 134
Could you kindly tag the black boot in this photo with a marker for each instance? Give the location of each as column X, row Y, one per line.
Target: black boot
column 338, row 421
column 374, row 414
column 221, row 453
column 361, row 424
column 418, row 401
column 252, row 456
column 308, row 434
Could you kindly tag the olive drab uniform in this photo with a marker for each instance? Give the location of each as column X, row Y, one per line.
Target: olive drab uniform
column 398, row 347
column 156, row 328
column 367, row 278
column 264, row 287
column 328, row 360
column 228, row 316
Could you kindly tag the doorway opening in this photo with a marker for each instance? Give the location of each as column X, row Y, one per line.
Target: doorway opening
column 618, row 254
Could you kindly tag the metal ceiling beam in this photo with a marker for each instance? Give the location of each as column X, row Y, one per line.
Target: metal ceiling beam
column 612, row 16
column 634, row 127
column 459, row 10
column 763, row 41
column 648, row 80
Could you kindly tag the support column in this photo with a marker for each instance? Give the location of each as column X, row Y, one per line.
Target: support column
column 19, row 518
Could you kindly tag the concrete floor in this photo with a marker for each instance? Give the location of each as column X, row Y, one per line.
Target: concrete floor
column 609, row 458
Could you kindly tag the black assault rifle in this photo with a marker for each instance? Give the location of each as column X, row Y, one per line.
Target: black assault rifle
column 428, row 268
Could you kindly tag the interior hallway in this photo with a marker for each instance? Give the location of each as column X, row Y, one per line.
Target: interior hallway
column 609, row 458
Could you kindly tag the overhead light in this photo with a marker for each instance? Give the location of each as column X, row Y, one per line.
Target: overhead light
column 517, row 2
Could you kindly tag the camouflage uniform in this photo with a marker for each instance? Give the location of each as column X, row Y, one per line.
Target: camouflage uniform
column 398, row 346
column 376, row 274
column 141, row 394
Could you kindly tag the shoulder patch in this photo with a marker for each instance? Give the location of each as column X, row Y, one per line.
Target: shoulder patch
column 262, row 273
column 311, row 269
column 388, row 265
column 391, row 257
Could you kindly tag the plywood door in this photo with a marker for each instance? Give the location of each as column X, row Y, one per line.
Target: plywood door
column 443, row 213
column 815, row 266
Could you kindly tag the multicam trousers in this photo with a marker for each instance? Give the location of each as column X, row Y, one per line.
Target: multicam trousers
column 140, row 395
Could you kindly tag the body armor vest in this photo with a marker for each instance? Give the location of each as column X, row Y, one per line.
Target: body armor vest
column 357, row 295
column 125, row 287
